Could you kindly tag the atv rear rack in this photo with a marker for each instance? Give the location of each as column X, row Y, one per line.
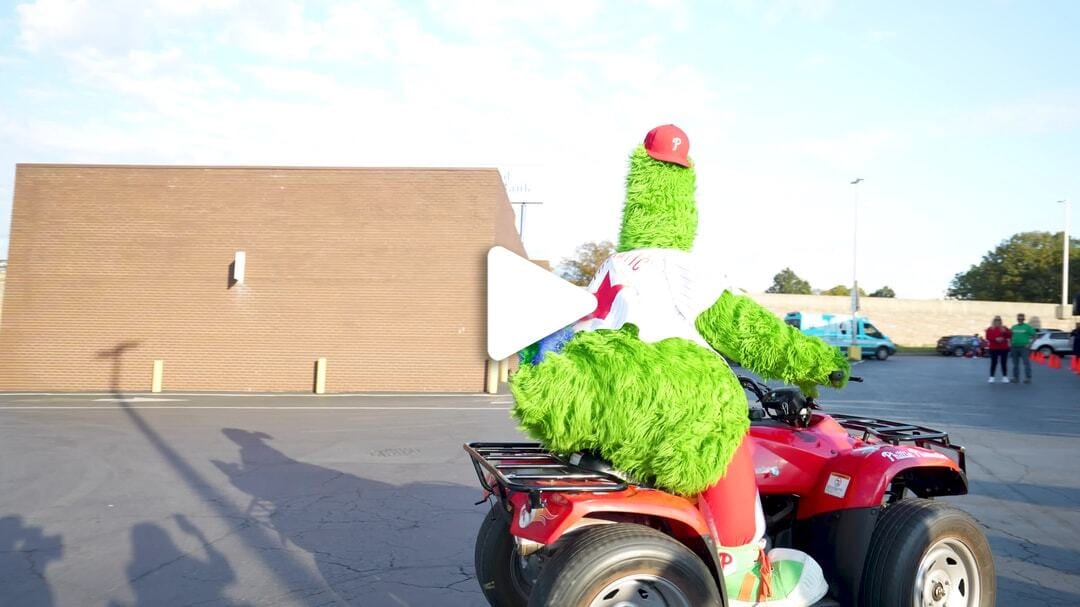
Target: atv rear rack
column 531, row 468
column 895, row 433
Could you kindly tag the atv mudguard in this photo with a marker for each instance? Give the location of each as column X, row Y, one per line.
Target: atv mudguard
column 860, row 478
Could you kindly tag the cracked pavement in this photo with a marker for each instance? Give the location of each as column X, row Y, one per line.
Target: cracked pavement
column 369, row 500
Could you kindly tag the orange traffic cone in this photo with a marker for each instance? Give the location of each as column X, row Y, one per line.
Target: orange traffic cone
column 1055, row 361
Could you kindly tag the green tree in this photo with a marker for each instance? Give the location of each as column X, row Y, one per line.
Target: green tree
column 787, row 281
column 1025, row 267
column 884, row 292
column 581, row 268
column 842, row 290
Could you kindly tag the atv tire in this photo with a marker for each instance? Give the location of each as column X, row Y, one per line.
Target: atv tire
column 613, row 564
column 930, row 551
column 498, row 565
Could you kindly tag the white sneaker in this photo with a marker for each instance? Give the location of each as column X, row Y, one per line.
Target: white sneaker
column 991, row 380
column 1004, row 380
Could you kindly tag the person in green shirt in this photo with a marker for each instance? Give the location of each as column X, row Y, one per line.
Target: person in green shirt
column 1022, row 334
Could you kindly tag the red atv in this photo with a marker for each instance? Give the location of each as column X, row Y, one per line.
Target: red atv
column 855, row 493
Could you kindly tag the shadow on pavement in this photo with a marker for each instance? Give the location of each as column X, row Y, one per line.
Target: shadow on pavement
column 305, row 588
column 1024, row 493
column 161, row 574
column 1012, row 591
column 374, row 543
column 25, row 553
column 1051, row 557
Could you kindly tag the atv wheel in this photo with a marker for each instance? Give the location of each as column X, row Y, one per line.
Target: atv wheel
column 624, row 565
column 928, row 554
column 958, row 352
column 505, row 576
column 882, row 353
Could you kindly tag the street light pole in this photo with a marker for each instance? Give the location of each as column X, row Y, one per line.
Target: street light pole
column 1065, row 259
column 855, row 255
column 521, row 221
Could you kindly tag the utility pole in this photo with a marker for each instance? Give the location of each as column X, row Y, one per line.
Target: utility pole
column 854, row 351
column 855, row 253
column 521, row 217
column 1065, row 260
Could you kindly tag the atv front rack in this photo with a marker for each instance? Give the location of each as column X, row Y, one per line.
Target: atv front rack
column 895, row 433
column 530, row 468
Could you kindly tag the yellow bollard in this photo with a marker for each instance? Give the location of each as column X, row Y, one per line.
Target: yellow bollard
column 504, row 370
column 491, row 385
column 155, row 380
column 854, row 352
column 320, row 376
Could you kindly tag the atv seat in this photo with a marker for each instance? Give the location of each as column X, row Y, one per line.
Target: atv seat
column 591, row 460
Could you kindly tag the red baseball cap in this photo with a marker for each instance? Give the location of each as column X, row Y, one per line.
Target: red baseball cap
column 668, row 143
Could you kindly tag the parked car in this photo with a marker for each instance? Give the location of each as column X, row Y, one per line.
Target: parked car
column 1053, row 342
column 960, row 345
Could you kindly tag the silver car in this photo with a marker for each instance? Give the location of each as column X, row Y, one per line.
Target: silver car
column 1053, row 342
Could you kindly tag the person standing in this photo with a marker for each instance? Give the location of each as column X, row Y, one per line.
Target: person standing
column 1022, row 336
column 998, row 336
column 1075, row 333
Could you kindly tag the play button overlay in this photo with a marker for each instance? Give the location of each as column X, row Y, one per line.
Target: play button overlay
column 526, row 303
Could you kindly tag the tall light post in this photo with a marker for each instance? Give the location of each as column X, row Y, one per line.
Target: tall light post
column 854, row 352
column 1065, row 261
column 855, row 255
column 521, row 222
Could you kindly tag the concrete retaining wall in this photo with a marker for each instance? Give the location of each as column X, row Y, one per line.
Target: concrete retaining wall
column 920, row 322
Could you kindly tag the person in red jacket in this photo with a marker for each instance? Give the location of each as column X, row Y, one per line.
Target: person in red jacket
column 999, row 337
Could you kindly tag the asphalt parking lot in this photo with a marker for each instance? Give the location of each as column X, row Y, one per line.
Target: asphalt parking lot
column 174, row 499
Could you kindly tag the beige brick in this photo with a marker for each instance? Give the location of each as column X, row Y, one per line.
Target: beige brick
column 380, row 271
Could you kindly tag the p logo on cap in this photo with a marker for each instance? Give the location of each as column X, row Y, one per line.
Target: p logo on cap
column 668, row 143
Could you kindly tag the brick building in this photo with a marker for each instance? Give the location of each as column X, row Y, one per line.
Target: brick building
column 380, row 271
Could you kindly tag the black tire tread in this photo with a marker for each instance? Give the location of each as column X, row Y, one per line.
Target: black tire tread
column 600, row 540
column 494, row 531
column 895, row 522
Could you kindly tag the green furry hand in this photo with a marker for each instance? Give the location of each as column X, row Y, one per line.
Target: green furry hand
column 744, row 331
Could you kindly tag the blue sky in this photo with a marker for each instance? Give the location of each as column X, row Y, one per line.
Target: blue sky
column 962, row 117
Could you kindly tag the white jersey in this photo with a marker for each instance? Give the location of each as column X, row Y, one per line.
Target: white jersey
column 662, row 291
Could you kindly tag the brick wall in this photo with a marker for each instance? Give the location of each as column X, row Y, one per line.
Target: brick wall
column 381, row 271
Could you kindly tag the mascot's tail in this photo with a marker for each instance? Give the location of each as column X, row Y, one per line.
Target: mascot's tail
column 670, row 411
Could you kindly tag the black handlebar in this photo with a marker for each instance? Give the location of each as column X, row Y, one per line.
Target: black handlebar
column 836, row 376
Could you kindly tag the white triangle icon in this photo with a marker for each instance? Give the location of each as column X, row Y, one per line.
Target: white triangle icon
column 526, row 303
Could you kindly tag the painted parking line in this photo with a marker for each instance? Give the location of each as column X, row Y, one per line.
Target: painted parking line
column 262, row 394
column 138, row 399
column 242, row 407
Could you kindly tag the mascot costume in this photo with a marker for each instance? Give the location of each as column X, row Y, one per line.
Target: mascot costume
column 641, row 380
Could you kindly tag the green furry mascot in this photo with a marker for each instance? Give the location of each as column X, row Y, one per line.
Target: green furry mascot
column 640, row 380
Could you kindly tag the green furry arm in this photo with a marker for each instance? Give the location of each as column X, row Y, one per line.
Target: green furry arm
column 741, row 329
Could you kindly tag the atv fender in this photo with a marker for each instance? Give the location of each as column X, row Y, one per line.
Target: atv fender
column 860, row 478
column 563, row 513
column 559, row 512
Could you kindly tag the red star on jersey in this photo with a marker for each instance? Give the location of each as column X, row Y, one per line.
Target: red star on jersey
column 605, row 296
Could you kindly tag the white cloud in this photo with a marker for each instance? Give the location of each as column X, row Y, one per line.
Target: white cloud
column 48, row 21
column 511, row 84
